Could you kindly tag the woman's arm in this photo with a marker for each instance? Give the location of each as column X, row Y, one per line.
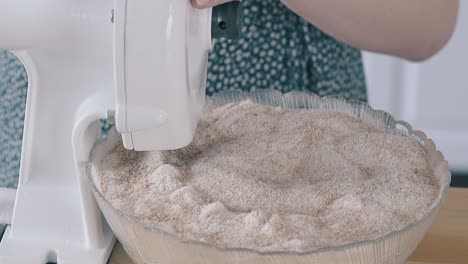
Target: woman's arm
column 412, row 29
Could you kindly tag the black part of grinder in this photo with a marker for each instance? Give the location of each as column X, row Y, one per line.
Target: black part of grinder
column 226, row 21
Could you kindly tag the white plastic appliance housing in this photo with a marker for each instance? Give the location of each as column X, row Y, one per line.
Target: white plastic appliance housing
column 160, row 67
column 144, row 60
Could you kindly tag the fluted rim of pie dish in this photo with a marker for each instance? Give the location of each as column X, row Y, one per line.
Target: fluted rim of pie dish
column 439, row 164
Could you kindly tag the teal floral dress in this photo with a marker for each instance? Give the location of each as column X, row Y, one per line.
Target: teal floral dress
column 278, row 50
column 283, row 51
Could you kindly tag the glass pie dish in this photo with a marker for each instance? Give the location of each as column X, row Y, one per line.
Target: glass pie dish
column 151, row 244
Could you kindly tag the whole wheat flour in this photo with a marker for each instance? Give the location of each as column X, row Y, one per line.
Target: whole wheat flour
column 267, row 178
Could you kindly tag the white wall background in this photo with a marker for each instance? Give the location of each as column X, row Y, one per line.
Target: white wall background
column 432, row 96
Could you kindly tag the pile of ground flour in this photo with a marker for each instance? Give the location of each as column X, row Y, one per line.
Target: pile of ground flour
column 267, row 178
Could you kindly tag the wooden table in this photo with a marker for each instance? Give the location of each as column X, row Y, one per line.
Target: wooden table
column 445, row 243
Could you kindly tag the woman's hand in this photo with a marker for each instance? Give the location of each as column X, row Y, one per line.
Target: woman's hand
column 208, row 3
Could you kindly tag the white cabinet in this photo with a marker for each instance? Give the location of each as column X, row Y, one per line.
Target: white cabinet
column 432, row 96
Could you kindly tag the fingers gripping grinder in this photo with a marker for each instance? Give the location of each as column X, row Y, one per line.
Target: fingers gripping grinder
column 140, row 62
